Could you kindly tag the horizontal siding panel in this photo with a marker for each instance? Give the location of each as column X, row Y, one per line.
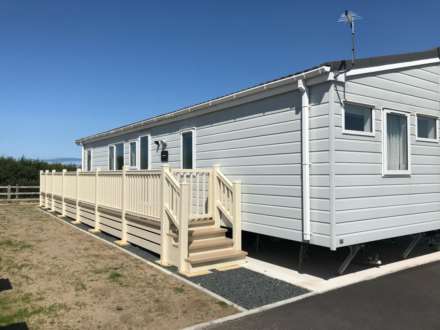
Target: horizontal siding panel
column 367, row 180
column 264, row 219
column 380, row 190
column 285, row 214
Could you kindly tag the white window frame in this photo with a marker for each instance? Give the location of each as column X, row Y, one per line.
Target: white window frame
column 385, row 171
column 114, row 156
column 123, row 154
column 86, row 162
column 139, row 151
column 193, row 130
column 362, row 133
column 136, row 166
column 436, row 140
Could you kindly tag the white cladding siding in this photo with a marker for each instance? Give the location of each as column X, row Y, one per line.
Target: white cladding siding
column 368, row 205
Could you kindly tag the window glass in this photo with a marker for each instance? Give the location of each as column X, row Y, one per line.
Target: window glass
column 358, row 118
column 89, row 160
column 145, row 146
column 187, row 150
column 397, row 142
column 133, row 154
column 426, row 127
column 119, row 156
column 111, row 158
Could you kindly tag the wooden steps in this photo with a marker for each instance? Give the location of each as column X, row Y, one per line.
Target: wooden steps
column 217, row 256
column 210, row 244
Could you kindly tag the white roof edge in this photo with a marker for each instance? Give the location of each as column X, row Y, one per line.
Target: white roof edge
column 224, row 99
column 392, row 66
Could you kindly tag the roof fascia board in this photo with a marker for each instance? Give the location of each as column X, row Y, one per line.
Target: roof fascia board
column 248, row 95
column 393, row 66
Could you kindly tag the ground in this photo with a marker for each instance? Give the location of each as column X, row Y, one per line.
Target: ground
column 64, row 279
column 405, row 300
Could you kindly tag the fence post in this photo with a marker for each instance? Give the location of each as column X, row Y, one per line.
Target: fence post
column 164, row 222
column 16, row 192
column 41, row 196
column 52, row 200
column 236, row 230
column 77, row 213
column 9, row 193
column 63, row 189
column 213, row 196
column 97, row 228
column 46, row 190
column 185, row 207
column 124, row 228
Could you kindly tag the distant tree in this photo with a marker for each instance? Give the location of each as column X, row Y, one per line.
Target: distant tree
column 24, row 171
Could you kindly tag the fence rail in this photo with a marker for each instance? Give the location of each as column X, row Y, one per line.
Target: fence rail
column 17, row 193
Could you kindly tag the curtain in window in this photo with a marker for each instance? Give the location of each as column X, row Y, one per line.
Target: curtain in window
column 397, row 142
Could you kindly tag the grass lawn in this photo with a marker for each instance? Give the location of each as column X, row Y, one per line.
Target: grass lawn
column 65, row 279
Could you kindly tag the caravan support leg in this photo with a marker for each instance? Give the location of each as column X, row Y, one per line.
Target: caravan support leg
column 412, row 245
column 302, row 254
column 354, row 249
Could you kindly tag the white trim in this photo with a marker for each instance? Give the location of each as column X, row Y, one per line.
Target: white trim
column 86, row 160
column 193, row 130
column 392, row 66
column 123, row 154
column 385, row 171
column 436, row 140
column 149, row 151
column 136, row 148
column 362, row 133
column 82, row 158
column 114, row 157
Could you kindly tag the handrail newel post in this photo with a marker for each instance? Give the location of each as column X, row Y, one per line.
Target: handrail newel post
column 164, row 222
column 97, row 218
column 63, row 188
column 236, row 230
column 185, row 209
column 46, row 190
column 124, row 227
column 77, row 212
column 214, row 195
column 52, row 202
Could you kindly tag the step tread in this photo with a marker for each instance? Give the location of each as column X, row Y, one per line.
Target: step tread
column 213, row 243
column 214, row 256
column 194, row 232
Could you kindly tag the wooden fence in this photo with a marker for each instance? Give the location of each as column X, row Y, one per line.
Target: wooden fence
column 19, row 192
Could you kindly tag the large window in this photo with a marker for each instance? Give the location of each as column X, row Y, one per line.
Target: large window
column 119, row 156
column 111, row 158
column 358, row 119
column 144, row 152
column 133, row 154
column 187, row 150
column 427, row 128
column 396, row 143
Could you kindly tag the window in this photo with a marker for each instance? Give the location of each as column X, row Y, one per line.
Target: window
column 358, row 119
column 427, row 128
column 144, row 152
column 396, row 143
column 187, row 150
column 111, row 158
column 133, row 154
column 119, row 156
column 89, row 160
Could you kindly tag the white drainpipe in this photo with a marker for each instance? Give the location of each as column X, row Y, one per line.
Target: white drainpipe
column 305, row 159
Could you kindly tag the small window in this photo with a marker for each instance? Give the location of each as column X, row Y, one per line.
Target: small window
column 427, row 128
column 133, row 154
column 187, row 150
column 358, row 119
column 145, row 152
column 111, row 158
column 119, row 156
column 89, row 160
column 397, row 143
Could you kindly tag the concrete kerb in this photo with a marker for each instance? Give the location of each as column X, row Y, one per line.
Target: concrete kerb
column 152, row 264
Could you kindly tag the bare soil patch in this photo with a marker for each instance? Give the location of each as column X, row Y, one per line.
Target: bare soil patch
column 64, row 279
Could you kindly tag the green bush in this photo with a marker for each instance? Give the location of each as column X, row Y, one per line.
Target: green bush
column 25, row 172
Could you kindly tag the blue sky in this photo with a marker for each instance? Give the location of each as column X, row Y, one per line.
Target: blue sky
column 73, row 68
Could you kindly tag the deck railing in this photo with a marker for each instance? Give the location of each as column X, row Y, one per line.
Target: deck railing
column 172, row 198
column 19, row 192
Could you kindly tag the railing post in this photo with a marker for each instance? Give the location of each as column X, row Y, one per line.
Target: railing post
column 236, row 230
column 52, row 201
column 124, row 227
column 46, row 190
column 213, row 196
column 77, row 213
column 17, row 190
column 97, row 228
column 63, row 189
column 41, row 196
column 9, row 192
column 164, row 222
column 185, row 209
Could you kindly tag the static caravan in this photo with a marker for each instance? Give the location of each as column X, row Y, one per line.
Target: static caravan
column 337, row 155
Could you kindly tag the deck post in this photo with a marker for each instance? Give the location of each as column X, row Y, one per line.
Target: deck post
column 52, row 201
column 9, row 193
column 77, row 213
column 213, row 196
column 124, row 228
column 97, row 228
column 164, row 222
column 41, row 196
column 46, row 190
column 236, row 230
column 63, row 189
column 185, row 209
column 17, row 190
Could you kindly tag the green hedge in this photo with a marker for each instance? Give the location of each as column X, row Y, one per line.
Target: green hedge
column 25, row 172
